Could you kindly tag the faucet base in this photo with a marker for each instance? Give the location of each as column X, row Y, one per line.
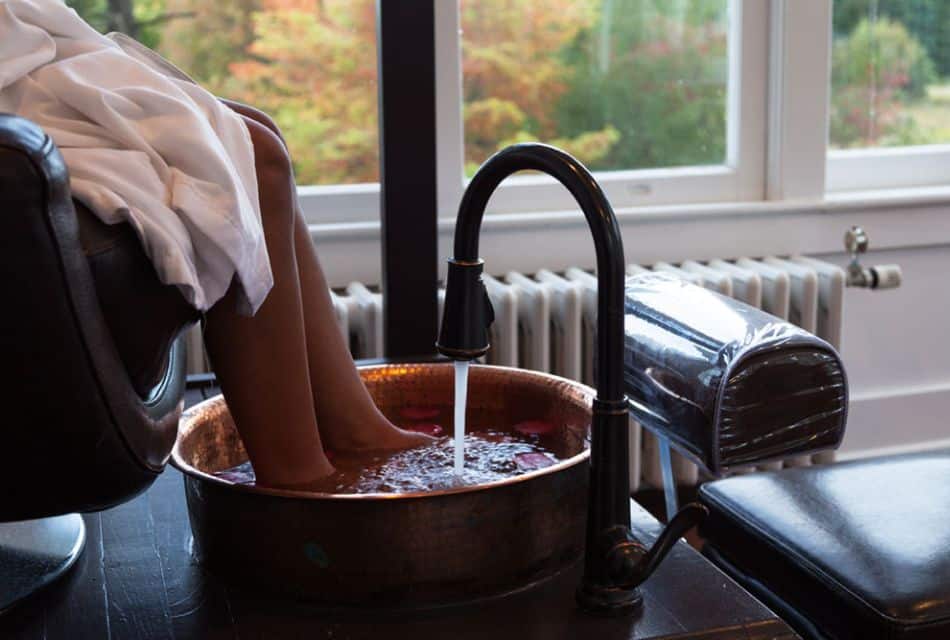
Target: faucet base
column 609, row 601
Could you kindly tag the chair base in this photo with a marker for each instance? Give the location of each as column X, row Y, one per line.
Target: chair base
column 35, row 553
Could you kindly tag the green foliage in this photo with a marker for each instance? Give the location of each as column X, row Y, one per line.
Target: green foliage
column 655, row 72
column 214, row 35
column 92, row 11
column 876, row 70
column 622, row 84
column 148, row 15
column 312, row 66
column 927, row 20
column 882, row 54
column 513, row 76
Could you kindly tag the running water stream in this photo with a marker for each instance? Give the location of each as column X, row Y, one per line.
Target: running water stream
column 461, row 396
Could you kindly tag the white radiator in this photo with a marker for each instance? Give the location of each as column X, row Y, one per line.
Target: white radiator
column 546, row 322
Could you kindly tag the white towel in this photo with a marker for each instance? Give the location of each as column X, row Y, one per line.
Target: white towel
column 144, row 145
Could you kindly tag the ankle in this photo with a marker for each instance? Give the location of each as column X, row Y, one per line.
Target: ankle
column 297, row 477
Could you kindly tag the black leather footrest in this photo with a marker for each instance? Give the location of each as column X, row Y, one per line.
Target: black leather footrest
column 858, row 550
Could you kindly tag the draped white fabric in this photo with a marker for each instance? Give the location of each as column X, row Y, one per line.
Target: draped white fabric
column 143, row 144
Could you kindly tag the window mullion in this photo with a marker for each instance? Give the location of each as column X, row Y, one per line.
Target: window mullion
column 747, row 93
column 408, row 175
column 450, row 145
column 799, row 86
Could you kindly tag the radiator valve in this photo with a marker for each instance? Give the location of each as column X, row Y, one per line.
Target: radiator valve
column 881, row 276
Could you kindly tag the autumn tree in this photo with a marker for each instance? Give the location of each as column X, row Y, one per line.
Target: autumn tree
column 514, row 75
column 312, row 66
column 618, row 83
column 656, row 71
column 876, row 70
column 928, row 21
column 218, row 34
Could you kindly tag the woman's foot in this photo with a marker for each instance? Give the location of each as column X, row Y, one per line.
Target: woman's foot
column 311, row 477
column 367, row 432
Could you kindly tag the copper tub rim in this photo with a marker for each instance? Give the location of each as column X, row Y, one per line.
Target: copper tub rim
column 193, row 414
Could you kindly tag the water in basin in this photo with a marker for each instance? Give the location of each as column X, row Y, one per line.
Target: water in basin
column 405, row 547
column 494, row 449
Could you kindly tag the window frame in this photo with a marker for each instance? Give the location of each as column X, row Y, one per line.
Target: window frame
column 739, row 179
column 779, row 90
column 883, row 168
column 878, row 168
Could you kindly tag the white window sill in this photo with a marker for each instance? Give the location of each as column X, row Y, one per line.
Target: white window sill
column 893, row 218
column 908, row 196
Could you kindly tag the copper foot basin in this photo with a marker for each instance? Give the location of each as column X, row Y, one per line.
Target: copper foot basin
column 392, row 551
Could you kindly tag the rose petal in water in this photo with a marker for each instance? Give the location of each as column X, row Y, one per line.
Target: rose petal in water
column 428, row 428
column 532, row 461
column 534, row 427
column 418, row 413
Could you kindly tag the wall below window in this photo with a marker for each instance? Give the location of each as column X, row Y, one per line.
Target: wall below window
column 896, row 351
column 894, row 342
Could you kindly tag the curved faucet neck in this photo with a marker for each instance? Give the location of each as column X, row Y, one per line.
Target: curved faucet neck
column 603, row 225
column 614, row 563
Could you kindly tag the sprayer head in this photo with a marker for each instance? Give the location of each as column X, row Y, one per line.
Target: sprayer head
column 468, row 312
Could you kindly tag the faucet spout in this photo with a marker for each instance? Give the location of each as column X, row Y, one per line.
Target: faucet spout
column 464, row 332
column 604, row 228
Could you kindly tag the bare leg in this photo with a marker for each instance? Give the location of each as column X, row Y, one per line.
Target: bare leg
column 345, row 411
column 260, row 360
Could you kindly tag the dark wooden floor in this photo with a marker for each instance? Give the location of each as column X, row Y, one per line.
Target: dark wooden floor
column 137, row 580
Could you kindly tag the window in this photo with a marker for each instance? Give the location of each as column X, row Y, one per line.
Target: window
column 890, row 74
column 309, row 64
column 890, row 93
column 648, row 94
column 619, row 85
column 671, row 103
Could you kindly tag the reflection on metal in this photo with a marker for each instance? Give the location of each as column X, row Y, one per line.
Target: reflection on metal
column 393, row 551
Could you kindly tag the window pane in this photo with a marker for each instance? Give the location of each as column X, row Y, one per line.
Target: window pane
column 890, row 74
column 310, row 64
column 621, row 84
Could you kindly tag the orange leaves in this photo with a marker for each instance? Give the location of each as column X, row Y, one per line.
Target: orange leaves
column 510, row 50
column 312, row 65
column 512, row 68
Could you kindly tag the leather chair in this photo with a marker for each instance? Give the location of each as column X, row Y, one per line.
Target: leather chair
column 91, row 345
column 854, row 550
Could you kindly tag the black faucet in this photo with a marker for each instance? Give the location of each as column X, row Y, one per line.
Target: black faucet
column 615, row 562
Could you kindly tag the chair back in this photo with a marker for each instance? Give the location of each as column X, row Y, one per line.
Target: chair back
column 80, row 432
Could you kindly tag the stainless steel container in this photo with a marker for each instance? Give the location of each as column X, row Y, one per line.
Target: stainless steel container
column 395, row 551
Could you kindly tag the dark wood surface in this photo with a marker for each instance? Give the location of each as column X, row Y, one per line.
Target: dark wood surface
column 137, row 579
